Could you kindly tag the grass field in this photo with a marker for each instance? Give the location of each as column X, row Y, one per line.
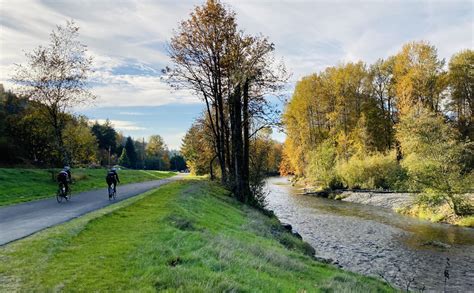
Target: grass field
column 20, row 185
column 187, row 236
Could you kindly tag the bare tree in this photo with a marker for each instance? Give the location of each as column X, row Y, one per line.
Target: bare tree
column 56, row 76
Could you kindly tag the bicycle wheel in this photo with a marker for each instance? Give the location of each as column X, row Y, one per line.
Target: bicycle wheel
column 114, row 195
column 111, row 190
column 59, row 195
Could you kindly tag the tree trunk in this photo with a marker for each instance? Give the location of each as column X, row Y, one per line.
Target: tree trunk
column 211, row 168
column 246, row 128
column 237, row 143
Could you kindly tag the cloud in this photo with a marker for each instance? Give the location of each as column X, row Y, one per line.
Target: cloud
column 131, row 113
column 174, row 141
column 128, row 38
column 122, row 125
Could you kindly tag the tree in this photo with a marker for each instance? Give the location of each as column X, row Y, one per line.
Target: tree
column 381, row 74
column 177, row 163
column 80, row 142
column 124, row 160
column 107, row 140
column 461, row 82
column 198, row 149
column 232, row 73
column 198, row 51
column 56, row 76
column 419, row 77
column 157, row 153
column 130, row 153
column 433, row 157
column 156, row 146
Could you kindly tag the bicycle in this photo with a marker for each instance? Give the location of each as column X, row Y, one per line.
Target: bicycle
column 62, row 194
column 112, row 193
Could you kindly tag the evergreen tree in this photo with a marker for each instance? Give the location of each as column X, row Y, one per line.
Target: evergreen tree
column 123, row 160
column 131, row 152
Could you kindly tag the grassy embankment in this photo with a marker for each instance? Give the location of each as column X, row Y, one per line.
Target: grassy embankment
column 439, row 214
column 20, row 185
column 186, row 236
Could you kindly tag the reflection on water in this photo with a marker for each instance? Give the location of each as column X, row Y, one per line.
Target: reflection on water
column 373, row 240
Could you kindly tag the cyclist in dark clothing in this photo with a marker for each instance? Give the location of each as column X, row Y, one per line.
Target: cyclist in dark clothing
column 112, row 178
column 64, row 177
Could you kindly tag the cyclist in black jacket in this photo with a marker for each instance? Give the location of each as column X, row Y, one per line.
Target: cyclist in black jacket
column 64, row 177
column 112, row 178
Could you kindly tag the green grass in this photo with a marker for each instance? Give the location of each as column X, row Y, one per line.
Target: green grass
column 20, row 185
column 187, row 236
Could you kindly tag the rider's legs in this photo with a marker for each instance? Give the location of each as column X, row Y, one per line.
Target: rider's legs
column 66, row 186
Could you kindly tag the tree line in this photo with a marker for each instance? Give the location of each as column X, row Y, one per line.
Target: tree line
column 402, row 123
column 27, row 138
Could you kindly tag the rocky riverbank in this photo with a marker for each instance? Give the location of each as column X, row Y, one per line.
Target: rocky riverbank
column 387, row 200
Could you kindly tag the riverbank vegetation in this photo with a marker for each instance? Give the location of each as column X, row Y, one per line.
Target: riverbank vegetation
column 177, row 247
column 404, row 123
column 20, row 185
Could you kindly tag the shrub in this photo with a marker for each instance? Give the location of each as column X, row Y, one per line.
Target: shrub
column 374, row 171
column 320, row 170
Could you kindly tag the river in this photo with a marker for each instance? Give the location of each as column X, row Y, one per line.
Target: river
column 373, row 240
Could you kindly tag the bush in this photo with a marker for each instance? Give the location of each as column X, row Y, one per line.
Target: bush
column 320, row 170
column 374, row 171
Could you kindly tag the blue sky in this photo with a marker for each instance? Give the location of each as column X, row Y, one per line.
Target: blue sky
column 128, row 38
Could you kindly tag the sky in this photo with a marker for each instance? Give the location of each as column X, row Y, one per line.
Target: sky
column 128, row 40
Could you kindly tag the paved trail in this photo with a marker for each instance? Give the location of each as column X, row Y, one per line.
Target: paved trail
column 21, row 220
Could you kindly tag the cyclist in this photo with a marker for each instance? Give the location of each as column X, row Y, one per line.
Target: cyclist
column 112, row 178
column 64, row 177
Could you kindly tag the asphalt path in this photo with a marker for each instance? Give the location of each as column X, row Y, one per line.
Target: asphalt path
column 21, row 220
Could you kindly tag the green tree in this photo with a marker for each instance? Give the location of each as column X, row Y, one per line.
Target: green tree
column 130, row 152
column 177, row 163
column 433, row 157
column 124, row 160
column 107, row 141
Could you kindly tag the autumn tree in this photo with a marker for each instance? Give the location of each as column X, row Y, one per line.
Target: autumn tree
column 157, row 153
column 80, row 141
column 383, row 91
column 232, row 73
column 419, row 77
column 198, row 149
column 56, row 76
column 461, row 82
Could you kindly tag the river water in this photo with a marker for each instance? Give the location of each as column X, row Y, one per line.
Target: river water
column 373, row 240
